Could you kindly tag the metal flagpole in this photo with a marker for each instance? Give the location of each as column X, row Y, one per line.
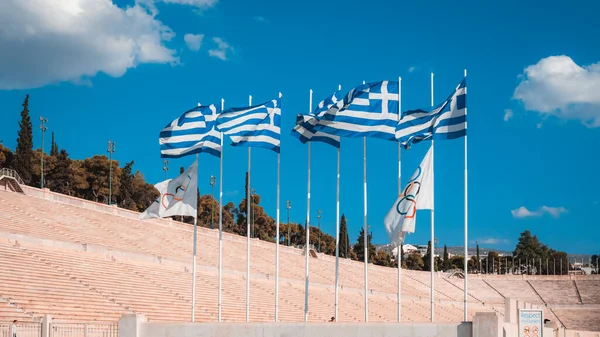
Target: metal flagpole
column 365, row 233
column 466, row 279
column 337, row 231
column 307, row 245
column 399, row 254
column 431, row 258
column 248, row 231
column 194, row 258
column 220, row 297
column 277, row 237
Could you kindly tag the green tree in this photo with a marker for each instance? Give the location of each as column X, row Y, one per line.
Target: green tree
column 414, row 261
column 97, row 171
column 229, row 212
column 446, row 265
column 478, row 259
column 382, row 258
column 492, row 262
column 427, row 259
column 60, row 175
column 457, row 262
column 344, row 238
column 359, row 247
column 22, row 161
column 143, row 193
column 53, row 147
column 6, row 156
column 127, row 188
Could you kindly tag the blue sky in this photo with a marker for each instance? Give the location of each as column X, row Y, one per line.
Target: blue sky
column 121, row 71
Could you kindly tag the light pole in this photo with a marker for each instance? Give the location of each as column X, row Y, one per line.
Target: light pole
column 252, row 192
column 319, row 226
column 213, row 181
column 288, row 205
column 166, row 167
column 43, row 128
column 111, row 150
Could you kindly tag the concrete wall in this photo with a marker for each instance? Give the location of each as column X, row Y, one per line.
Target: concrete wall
column 136, row 326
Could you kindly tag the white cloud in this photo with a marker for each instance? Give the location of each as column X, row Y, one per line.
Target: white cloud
column 508, row 113
column 193, row 41
column 412, row 69
column 553, row 211
column 259, row 18
column 51, row 41
column 492, row 241
column 222, row 50
column 195, row 3
column 557, row 86
column 523, row 212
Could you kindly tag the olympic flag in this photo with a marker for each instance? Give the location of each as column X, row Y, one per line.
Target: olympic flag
column 178, row 196
column 417, row 195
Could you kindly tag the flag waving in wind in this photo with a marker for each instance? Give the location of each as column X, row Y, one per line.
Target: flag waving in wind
column 369, row 110
column 417, row 195
column 305, row 124
column 254, row 126
column 193, row 132
column 446, row 121
column 178, row 196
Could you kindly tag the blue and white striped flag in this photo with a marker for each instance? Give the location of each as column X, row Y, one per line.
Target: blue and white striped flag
column 193, row 132
column 305, row 124
column 446, row 121
column 369, row 110
column 255, row 126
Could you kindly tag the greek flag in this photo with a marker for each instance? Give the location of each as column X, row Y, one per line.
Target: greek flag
column 305, row 124
column 446, row 121
column 193, row 132
column 369, row 110
column 254, row 126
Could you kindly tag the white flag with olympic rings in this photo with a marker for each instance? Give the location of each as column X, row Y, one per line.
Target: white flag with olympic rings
column 416, row 195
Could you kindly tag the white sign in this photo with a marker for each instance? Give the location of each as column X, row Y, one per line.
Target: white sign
column 531, row 323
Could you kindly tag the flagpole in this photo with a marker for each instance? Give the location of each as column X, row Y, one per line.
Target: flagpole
column 307, row 245
column 248, row 201
column 277, row 236
column 399, row 254
column 337, row 231
column 365, row 234
column 194, row 257
column 466, row 286
column 432, row 253
column 220, row 299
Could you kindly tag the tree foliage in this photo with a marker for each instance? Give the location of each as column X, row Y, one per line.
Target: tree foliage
column 344, row 238
column 53, row 147
column 22, row 162
column 359, row 247
column 531, row 251
column 414, row 261
column 6, row 156
column 427, row 259
column 446, row 264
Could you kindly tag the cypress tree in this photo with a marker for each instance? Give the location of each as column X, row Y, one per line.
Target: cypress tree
column 478, row 259
column 53, row 147
column 446, row 262
column 344, row 238
column 22, row 162
column 359, row 246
